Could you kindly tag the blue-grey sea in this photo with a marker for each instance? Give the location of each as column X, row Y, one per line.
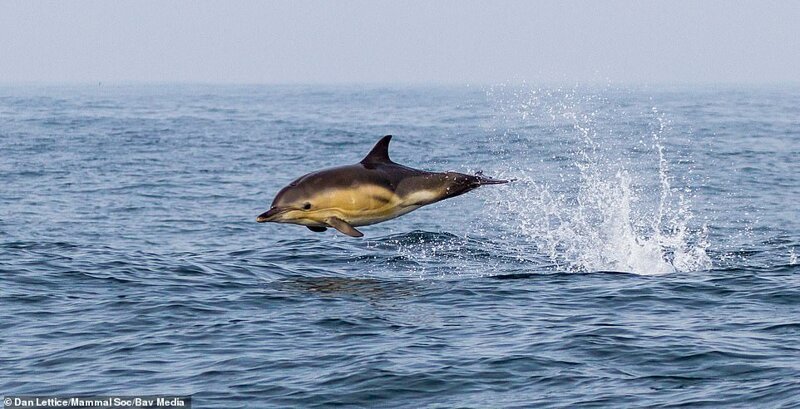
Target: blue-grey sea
column 645, row 255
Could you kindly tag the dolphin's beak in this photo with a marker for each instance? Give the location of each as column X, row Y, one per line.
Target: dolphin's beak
column 270, row 214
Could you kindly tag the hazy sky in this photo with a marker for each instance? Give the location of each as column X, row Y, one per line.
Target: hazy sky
column 460, row 42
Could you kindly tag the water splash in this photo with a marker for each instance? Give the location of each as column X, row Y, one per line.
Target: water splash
column 429, row 255
column 602, row 198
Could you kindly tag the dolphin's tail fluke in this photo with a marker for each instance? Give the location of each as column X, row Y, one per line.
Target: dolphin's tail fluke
column 455, row 184
column 485, row 180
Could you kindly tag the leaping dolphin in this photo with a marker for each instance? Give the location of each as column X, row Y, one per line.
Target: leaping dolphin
column 371, row 191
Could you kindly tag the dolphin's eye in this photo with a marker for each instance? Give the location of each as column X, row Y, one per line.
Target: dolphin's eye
column 306, row 206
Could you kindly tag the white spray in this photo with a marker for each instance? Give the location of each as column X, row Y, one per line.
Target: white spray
column 604, row 223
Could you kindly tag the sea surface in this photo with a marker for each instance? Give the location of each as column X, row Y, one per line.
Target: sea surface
column 645, row 255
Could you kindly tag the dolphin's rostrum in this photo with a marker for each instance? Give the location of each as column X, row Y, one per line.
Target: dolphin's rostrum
column 369, row 192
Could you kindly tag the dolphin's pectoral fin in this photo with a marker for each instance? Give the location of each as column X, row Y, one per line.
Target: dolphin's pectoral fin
column 318, row 229
column 343, row 226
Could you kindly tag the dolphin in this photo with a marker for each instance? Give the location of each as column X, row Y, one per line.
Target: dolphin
column 371, row 191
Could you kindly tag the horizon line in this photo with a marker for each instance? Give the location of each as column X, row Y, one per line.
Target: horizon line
column 406, row 84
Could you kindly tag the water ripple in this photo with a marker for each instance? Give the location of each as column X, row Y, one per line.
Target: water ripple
column 646, row 256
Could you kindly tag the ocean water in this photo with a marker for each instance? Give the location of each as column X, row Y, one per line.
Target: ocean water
column 646, row 254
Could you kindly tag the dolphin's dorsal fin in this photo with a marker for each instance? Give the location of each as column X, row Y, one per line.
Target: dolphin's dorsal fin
column 379, row 153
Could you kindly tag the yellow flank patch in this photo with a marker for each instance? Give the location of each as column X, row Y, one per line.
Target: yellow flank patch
column 360, row 205
column 360, row 198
